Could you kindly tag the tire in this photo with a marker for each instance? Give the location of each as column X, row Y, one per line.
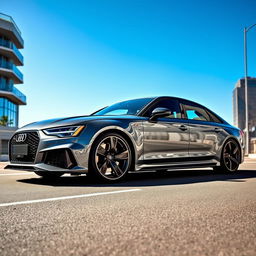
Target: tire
column 110, row 158
column 49, row 175
column 230, row 157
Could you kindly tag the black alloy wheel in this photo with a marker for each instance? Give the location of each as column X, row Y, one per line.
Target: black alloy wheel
column 231, row 157
column 110, row 158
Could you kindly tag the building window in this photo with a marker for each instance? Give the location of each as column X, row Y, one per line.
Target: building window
column 8, row 113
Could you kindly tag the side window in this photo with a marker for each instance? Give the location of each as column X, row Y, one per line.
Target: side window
column 196, row 113
column 172, row 105
column 214, row 117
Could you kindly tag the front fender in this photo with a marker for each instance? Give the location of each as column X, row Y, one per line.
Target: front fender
column 133, row 130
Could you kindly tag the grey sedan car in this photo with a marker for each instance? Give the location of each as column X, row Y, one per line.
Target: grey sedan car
column 158, row 133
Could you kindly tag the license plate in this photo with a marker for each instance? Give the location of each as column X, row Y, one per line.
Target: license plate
column 20, row 150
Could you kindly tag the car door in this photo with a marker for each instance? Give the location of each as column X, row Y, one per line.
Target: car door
column 165, row 139
column 205, row 134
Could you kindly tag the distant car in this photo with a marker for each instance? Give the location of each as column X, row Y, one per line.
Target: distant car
column 136, row 135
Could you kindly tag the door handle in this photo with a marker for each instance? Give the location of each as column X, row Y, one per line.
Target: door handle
column 217, row 129
column 183, row 127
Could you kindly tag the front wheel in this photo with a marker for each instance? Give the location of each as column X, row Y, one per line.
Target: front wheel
column 110, row 158
column 49, row 175
column 230, row 158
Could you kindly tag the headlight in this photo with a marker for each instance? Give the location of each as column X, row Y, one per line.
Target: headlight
column 67, row 131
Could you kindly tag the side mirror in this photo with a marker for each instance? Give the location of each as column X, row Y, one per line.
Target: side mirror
column 160, row 112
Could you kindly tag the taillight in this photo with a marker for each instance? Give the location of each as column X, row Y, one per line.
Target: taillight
column 241, row 133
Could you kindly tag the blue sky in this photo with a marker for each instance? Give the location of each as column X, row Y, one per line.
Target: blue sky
column 83, row 55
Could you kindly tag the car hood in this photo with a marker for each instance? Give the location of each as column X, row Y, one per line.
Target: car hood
column 77, row 120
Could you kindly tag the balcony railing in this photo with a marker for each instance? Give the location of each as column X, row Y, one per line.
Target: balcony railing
column 8, row 86
column 19, row 94
column 10, row 19
column 9, row 65
column 11, row 45
column 17, row 72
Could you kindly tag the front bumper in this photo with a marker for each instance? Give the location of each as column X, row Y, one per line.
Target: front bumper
column 55, row 154
column 45, row 168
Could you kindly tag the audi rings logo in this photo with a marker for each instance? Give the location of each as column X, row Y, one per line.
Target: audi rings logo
column 20, row 137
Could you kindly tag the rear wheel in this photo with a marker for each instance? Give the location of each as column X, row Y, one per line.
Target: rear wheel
column 49, row 175
column 230, row 159
column 110, row 158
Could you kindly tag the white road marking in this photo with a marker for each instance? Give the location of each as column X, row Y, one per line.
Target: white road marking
column 13, row 174
column 68, row 197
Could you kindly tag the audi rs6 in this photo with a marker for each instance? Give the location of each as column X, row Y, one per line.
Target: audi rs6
column 158, row 133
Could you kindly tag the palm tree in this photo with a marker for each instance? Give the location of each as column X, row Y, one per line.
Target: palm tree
column 4, row 121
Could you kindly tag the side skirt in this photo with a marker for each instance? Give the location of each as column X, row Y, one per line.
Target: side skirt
column 186, row 163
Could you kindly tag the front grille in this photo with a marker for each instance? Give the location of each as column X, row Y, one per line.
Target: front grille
column 32, row 140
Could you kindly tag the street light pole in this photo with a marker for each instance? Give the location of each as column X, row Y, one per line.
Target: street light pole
column 247, row 144
column 246, row 94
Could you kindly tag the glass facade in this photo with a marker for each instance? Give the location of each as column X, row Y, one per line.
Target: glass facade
column 10, row 75
column 9, row 109
column 4, row 62
column 239, row 106
column 6, row 84
column 11, row 98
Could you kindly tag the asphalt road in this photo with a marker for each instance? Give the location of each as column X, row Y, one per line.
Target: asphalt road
column 194, row 212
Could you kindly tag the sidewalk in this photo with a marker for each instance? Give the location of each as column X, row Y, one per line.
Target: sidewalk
column 250, row 159
column 3, row 164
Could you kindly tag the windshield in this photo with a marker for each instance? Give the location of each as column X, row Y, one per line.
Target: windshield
column 129, row 107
